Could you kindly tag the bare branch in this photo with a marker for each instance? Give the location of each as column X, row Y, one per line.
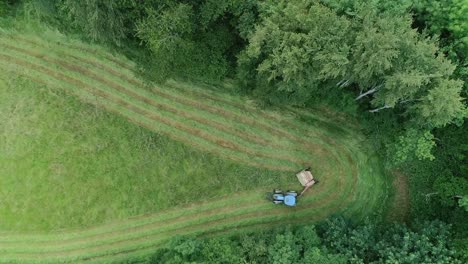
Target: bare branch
column 380, row 108
column 371, row 91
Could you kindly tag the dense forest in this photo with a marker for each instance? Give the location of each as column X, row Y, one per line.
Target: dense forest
column 399, row 67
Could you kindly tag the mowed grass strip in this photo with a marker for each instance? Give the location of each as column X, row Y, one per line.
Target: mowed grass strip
column 330, row 197
column 173, row 117
column 242, row 111
column 346, row 179
column 155, row 116
column 206, row 92
column 336, row 184
column 234, row 146
column 112, row 74
column 239, row 114
column 258, row 216
column 138, row 116
column 239, row 218
column 149, row 232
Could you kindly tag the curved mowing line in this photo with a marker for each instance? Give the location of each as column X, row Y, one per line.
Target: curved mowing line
column 303, row 162
column 128, row 67
column 227, row 128
column 341, row 185
column 160, row 92
column 147, row 250
column 153, row 233
column 163, row 93
column 114, row 108
column 213, row 223
column 131, row 254
column 332, row 199
column 231, row 145
column 233, row 205
column 195, row 132
column 143, row 233
column 304, row 208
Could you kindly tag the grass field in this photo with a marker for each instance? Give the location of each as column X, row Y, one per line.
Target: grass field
column 189, row 161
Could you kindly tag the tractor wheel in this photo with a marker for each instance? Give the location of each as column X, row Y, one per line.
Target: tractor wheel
column 277, row 191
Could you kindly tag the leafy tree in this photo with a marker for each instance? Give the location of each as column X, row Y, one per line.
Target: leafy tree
column 355, row 243
column 443, row 104
column 301, row 47
column 296, row 46
column 255, row 248
column 370, row 243
column 449, row 19
column 196, row 39
column 167, row 35
column 284, row 249
column 414, row 144
column 427, row 245
column 7, row 5
column 307, row 237
column 100, row 20
column 451, row 189
column 221, row 250
column 302, row 51
column 463, row 202
column 315, row 255
column 436, row 186
column 397, row 7
column 187, row 247
column 337, row 242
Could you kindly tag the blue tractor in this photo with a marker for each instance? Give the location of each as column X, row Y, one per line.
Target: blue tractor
column 287, row 198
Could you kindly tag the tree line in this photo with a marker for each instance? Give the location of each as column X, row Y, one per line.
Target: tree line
column 336, row 241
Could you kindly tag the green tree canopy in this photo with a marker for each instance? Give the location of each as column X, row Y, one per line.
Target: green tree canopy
column 301, row 47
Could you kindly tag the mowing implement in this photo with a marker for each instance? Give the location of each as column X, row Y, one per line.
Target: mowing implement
column 289, row 198
column 306, row 178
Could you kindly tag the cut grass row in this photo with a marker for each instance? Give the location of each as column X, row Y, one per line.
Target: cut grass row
column 316, row 196
column 302, row 161
column 140, row 235
column 130, row 79
column 214, row 100
column 179, row 97
column 139, row 241
column 199, row 228
column 184, row 134
column 327, row 186
column 218, row 140
column 126, row 72
column 246, row 204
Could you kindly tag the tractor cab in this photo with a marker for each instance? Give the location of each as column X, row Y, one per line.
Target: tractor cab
column 288, row 198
